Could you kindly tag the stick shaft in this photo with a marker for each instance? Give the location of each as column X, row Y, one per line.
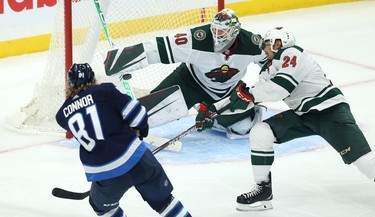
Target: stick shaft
column 104, row 24
column 186, row 132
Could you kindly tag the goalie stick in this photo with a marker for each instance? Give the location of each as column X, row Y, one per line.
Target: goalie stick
column 154, row 140
column 65, row 194
column 123, row 78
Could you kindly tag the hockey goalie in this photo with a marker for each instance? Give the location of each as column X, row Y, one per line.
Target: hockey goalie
column 213, row 59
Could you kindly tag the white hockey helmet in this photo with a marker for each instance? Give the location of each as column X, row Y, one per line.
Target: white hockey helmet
column 286, row 37
column 225, row 27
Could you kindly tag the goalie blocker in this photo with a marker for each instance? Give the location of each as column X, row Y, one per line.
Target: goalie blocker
column 162, row 106
column 125, row 59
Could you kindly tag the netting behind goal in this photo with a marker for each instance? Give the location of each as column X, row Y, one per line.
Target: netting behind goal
column 129, row 22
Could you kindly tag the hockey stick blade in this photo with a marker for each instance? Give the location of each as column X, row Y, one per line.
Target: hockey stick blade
column 186, row 132
column 156, row 141
column 61, row 193
column 174, row 140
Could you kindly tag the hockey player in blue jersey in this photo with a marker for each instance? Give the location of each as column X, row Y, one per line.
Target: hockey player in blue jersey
column 110, row 126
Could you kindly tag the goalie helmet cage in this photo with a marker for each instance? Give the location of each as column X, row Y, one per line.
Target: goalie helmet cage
column 78, row 37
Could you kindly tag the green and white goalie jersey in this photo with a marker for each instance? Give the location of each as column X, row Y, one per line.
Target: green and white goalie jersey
column 217, row 73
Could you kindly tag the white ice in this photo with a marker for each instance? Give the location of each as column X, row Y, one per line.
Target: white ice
column 309, row 177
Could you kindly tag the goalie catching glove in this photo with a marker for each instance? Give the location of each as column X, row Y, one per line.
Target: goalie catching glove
column 240, row 97
column 205, row 118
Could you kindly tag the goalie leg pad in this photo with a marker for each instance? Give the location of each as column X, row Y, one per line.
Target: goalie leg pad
column 164, row 106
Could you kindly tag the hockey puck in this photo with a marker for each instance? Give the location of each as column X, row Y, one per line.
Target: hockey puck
column 126, row 76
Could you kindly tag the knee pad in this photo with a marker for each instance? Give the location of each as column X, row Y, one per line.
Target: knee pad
column 261, row 137
column 366, row 164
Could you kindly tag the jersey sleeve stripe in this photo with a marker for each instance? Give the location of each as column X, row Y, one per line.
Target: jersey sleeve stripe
column 128, row 109
column 163, row 54
column 289, row 77
column 169, row 50
column 137, row 120
column 328, row 94
column 285, row 82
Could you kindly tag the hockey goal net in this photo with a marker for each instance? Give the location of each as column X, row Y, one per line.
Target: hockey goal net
column 129, row 22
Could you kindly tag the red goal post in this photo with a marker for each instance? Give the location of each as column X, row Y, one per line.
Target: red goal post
column 78, row 36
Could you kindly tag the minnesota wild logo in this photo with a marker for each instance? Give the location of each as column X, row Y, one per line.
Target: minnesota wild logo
column 199, row 35
column 222, row 74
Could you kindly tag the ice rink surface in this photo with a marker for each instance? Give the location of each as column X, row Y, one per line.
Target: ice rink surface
column 309, row 177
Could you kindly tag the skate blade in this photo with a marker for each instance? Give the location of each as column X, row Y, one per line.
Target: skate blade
column 258, row 206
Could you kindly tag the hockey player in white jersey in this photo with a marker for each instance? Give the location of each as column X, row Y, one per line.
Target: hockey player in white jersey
column 214, row 58
column 317, row 107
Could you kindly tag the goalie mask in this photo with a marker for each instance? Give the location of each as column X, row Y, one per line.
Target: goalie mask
column 286, row 37
column 225, row 27
column 80, row 74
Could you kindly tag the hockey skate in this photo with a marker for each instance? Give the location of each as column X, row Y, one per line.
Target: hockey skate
column 259, row 198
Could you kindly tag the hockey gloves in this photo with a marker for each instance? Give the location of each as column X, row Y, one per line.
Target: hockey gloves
column 204, row 120
column 240, row 97
column 141, row 133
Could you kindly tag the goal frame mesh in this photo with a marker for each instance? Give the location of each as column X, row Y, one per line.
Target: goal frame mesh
column 38, row 116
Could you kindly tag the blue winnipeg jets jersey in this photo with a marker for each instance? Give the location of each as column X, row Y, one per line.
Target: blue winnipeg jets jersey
column 101, row 118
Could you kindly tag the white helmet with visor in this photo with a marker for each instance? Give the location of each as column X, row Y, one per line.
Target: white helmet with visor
column 225, row 27
column 286, row 37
